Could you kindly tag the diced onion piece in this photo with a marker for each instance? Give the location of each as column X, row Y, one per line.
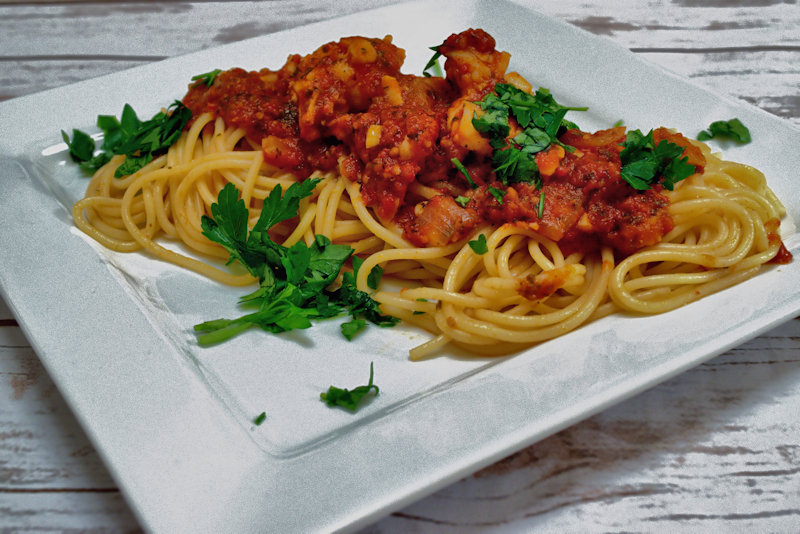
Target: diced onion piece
column 518, row 81
column 362, row 51
column 374, row 135
column 392, row 90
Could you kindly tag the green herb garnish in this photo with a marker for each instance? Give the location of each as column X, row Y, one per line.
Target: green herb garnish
column 732, row 129
column 462, row 201
column 292, row 280
column 479, row 245
column 260, row 419
column 359, row 303
column 348, row 399
column 138, row 141
column 460, row 166
column 374, row 277
column 81, row 148
column 540, row 210
column 542, row 120
column 498, row 194
column 206, row 78
column 433, row 63
column 645, row 164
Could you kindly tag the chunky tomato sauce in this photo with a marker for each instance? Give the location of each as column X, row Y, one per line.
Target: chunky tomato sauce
column 347, row 105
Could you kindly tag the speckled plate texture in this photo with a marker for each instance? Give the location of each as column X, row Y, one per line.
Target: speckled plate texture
column 173, row 421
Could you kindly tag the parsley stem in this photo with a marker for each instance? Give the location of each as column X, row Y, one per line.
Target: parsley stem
column 460, row 166
column 223, row 334
column 535, row 104
column 541, row 205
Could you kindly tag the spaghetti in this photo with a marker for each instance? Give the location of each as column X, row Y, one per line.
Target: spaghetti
column 381, row 143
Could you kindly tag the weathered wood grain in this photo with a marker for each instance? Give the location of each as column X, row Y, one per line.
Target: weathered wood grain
column 73, row 512
column 711, row 43
column 712, row 447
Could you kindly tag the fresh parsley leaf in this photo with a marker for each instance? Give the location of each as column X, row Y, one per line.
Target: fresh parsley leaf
column 138, row 141
column 228, row 227
column 514, row 165
column 260, row 419
column 460, row 166
column 540, row 117
column 498, row 194
column 462, row 201
column 278, row 208
column 129, row 123
column 533, row 140
column 529, row 108
column 732, row 129
column 645, row 164
column 351, row 328
column 479, row 245
column 206, row 78
column 676, row 170
column 360, row 303
column 81, row 148
column 374, row 277
column 433, row 63
column 144, row 140
column 349, row 399
column 357, row 263
column 293, row 281
column 112, row 131
column 325, row 262
column 494, row 120
column 132, row 164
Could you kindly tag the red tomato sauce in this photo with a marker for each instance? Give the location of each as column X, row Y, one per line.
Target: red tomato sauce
column 347, row 106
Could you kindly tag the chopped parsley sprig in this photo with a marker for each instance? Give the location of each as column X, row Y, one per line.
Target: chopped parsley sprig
column 732, row 129
column 479, row 245
column 498, row 194
column 541, row 119
column 138, row 141
column 433, row 63
column 645, row 164
column 463, row 170
column 346, row 398
column 293, row 280
column 206, row 78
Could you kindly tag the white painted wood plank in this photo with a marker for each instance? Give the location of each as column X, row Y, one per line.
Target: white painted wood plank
column 5, row 312
column 157, row 29
column 66, row 512
column 19, row 78
column 103, row 29
column 714, row 450
column 769, row 80
column 665, row 24
column 42, row 447
column 76, row 42
column 710, row 448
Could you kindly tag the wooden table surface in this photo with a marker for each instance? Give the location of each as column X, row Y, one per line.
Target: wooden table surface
column 716, row 449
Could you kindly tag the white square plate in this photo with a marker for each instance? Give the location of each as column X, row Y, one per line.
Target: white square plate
column 174, row 422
